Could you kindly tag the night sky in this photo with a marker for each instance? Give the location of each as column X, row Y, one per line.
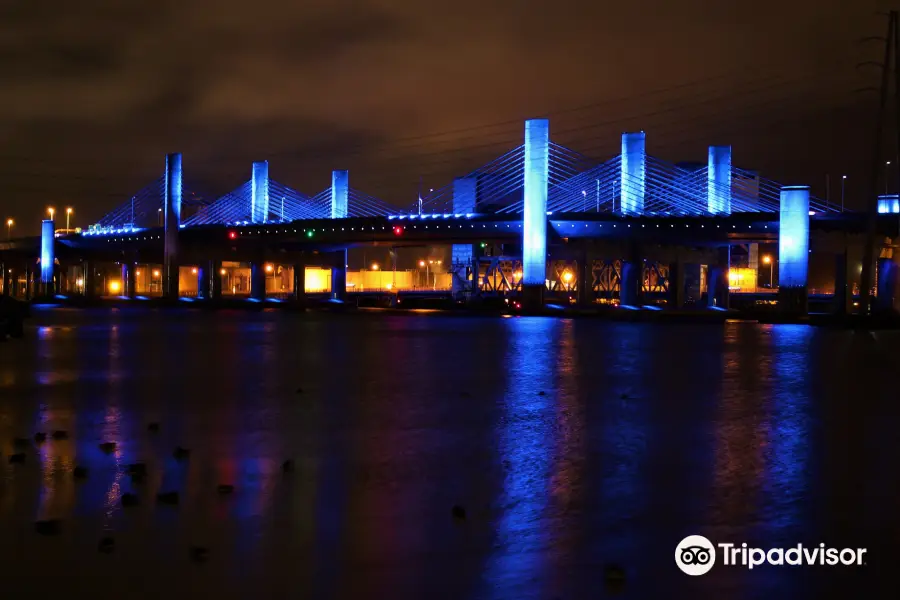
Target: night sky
column 94, row 93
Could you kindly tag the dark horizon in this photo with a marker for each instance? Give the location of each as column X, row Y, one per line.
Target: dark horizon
column 91, row 106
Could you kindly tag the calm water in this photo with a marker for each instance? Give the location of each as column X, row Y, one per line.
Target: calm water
column 572, row 444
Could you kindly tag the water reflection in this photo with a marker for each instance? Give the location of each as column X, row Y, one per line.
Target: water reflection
column 526, row 441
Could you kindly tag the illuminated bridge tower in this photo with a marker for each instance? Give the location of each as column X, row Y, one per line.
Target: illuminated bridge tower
column 340, row 194
column 259, row 192
column 48, row 256
column 462, row 258
column 634, row 186
column 793, row 249
column 718, row 181
column 633, row 173
column 172, row 223
column 259, row 213
column 534, row 234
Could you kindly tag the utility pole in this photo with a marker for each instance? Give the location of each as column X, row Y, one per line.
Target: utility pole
column 872, row 207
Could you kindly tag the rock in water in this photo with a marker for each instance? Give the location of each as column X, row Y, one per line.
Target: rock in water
column 79, row 472
column 17, row 459
column 59, row 434
column 108, row 447
column 130, row 500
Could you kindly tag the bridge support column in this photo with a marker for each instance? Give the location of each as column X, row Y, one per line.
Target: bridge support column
column 887, row 285
column 692, row 281
column 534, row 231
column 88, row 279
column 29, row 283
column 4, row 279
column 129, row 283
column 842, row 295
column 173, row 225
column 585, row 280
column 793, row 250
column 48, row 257
column 215, row 279
column 339, row 276
column 204, row 281
column 717, row 280
column 258, row 281
column 630, row 284
column 676, row 285
column 461, row 265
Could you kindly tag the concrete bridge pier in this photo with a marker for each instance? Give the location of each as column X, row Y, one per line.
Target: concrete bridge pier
column 172, row 209
column 632, row 278
column 204, row 281
column 258, row 280
column 48, row 258
column 842, row 291
column 585, row 281
column 717, row 280
column 88, row 279
column 4, row 279
column 793, row 250
column 29, row 282
column 339, row 276
column 461, row 265
column 215, row 280
column 129, row 283
column 887, row 285
column 676, row 285
column 534, row 218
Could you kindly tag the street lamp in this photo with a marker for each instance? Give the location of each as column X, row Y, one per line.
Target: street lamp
column 886, row 165
column 843, row 182
column 52, row 211
column 768, row 260
column 68, row 215
column 9, row 224
column 375, row 266
column 159, row 217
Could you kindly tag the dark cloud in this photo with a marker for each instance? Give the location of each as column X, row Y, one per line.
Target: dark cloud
column 96, row 92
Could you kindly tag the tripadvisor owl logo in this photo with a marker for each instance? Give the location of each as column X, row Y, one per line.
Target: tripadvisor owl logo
column 696, row 555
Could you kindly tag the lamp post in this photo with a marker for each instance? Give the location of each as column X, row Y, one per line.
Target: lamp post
column 52, row 212
column 886, row 171
column 9, row 224
column 68, row 216
column 843, row 182
column 159, row 217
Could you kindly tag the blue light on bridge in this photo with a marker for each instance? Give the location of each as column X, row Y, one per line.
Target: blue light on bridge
column 793, row 239
column 340, row 193
column 47, row 256
column 889, row 204
column 537, row 167
column 634, row 173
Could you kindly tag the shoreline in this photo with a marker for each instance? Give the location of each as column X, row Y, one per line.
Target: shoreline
column 447, row 309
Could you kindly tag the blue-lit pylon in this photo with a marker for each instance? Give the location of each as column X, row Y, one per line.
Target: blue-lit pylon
column 48, row 256
column 634, row 172
column 259, row 192
column 537, row 173
column 718, row 183
column 172, row 199
column 793, row 238
column 340, row 193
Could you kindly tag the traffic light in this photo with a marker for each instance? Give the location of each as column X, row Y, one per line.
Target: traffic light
column 484, row 244
column 398, row 230
column 232, row 235
column 309, row 233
